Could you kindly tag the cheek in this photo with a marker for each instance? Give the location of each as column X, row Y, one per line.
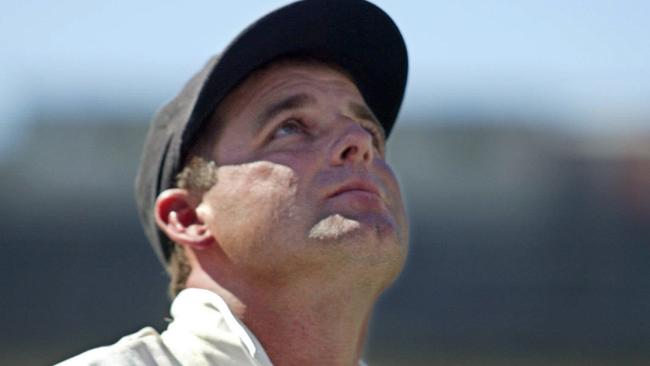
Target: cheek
column 392, row 187
column 389, row 181
column 252, row 195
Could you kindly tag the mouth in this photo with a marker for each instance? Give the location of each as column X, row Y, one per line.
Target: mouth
column 356, row 187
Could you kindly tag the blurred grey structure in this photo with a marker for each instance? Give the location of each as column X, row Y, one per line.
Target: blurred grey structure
column 530, row 233
column 529, row 246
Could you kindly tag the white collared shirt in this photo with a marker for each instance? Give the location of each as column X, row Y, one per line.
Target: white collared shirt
column 204, row 332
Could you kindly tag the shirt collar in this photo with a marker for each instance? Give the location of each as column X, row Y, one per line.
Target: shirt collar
column 203, row 326
column 205, row 315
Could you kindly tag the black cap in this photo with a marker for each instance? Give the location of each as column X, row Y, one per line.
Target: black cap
column 354, row 34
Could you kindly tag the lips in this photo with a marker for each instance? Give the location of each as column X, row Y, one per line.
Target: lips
column 356, row 186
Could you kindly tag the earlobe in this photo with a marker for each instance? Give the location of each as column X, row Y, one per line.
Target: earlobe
column 175, row 211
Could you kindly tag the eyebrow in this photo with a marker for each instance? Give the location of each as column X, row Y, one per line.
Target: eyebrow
column 292, row 102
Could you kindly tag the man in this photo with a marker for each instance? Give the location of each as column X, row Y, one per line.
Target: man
column 265, row 191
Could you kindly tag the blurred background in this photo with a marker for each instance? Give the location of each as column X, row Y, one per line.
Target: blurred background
column 523, row 148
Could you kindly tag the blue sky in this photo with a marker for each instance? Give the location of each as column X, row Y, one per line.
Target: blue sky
column 586, row 59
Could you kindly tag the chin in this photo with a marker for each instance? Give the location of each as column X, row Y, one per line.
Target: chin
column 371, row 240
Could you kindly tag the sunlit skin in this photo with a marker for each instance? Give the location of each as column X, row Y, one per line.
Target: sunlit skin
column 305, row 226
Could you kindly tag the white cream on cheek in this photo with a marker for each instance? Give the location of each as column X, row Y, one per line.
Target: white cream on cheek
column 252, row 194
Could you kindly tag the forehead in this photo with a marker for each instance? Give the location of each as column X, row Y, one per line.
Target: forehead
column 284, row 76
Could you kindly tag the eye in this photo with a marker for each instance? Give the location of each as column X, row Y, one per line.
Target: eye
column 289, row 127
column 377, row 136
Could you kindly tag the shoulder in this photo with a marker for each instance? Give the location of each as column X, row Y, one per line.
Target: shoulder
column 144, row 347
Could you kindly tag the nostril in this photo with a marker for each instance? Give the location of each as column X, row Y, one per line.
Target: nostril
column 348, row 152
column 366, row 155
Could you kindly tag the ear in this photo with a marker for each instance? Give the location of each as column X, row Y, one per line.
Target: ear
column 175, row 211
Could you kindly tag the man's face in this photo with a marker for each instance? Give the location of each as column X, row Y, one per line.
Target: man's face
column 302, row 183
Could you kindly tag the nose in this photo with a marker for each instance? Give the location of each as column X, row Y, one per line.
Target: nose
column 354, row 145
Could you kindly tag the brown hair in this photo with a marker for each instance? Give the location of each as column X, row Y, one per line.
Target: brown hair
column 197, row 177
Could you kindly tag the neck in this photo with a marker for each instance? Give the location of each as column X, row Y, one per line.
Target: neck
column 301, row 322
column 314, row 330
